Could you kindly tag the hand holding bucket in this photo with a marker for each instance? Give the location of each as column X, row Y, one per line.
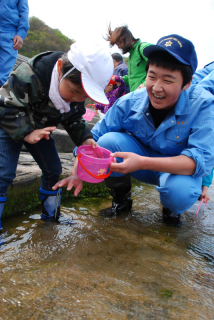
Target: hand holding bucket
column 93, row 163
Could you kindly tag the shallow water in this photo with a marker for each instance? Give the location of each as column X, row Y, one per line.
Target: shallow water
column 129, row 267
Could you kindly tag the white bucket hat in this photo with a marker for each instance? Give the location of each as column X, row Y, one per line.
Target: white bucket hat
column 96, row 66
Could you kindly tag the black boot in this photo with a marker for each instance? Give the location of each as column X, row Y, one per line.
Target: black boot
column 170, row 218
column 120, row 190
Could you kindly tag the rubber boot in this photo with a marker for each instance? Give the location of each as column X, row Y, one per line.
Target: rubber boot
column 120, row 189
column 50, row 204
column 2, row 203
column 170, row 217
column 51, row 201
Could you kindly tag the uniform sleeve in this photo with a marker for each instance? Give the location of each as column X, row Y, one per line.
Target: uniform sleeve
column 14, row 101
column 23, row 26
column 208, row 82
column 207, row 181
column 201, row 148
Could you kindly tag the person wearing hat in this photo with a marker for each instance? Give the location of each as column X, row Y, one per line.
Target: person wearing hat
column 162, row 134
column 48, row 90
column 114, row 90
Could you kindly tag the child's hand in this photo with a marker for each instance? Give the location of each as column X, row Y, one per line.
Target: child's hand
column 70, row 182
column 204, row 194
column 38, row 134
column 90, row 142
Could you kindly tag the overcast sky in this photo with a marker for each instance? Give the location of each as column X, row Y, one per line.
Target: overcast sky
column 149, row 21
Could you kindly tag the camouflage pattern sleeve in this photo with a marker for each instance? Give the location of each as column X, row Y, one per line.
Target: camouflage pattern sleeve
column 75, row 125
column 16, row 95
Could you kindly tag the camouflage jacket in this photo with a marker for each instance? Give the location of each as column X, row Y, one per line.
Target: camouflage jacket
column 25, row 104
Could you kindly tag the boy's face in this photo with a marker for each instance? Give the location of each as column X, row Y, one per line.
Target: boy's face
column 71, row 92
column 164, row 86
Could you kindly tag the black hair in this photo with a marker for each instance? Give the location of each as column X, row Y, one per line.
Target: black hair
column 167, row 61
column 75, row 75
column 117, row 57
column 122, row 35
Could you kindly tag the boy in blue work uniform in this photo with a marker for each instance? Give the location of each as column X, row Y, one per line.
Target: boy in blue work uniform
column 162, row 134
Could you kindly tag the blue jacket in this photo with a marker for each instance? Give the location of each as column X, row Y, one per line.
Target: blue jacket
column 187, row 130
column 202, row 73
column 14, row 17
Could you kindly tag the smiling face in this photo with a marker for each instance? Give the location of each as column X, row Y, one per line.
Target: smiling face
column 164, row 86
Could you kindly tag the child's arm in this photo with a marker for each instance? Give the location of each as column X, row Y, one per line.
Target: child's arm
column 121, row 86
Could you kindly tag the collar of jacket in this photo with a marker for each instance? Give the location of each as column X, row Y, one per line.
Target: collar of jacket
column 142, row 102
column 43, row 64
column 135, row 46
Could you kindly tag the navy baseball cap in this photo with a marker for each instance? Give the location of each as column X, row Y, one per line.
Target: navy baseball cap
column 182, row 49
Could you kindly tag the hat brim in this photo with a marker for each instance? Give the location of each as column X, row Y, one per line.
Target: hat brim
column 154, row 48
column 93, row 91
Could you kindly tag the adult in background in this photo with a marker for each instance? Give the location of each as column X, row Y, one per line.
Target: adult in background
column 125, row 41
column 14, row 27
column 120, row 68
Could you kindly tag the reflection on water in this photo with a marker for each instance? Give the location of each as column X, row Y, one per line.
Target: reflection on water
column 129, row 267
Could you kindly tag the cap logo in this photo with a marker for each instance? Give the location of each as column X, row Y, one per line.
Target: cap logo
column 169, row 43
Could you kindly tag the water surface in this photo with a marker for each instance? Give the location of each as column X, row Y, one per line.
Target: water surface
column 129, row 267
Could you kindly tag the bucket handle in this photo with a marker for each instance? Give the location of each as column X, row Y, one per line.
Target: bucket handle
column 102, row 176
column 93, row 105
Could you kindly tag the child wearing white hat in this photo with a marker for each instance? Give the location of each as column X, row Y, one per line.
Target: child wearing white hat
column 48, row 90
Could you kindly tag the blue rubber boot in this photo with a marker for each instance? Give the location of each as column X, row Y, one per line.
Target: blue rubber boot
column 2, row 203
column 51, row 201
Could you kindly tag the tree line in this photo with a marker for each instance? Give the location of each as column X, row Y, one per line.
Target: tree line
column 42, row 38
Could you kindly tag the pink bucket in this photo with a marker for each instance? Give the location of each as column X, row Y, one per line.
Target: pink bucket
column 93, row 163
column 88, row 116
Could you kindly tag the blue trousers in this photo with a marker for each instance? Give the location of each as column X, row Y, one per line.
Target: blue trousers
column 177, row 192
column 8, row 55
column 44, row 152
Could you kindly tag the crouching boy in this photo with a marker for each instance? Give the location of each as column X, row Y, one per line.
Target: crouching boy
column 162, row 134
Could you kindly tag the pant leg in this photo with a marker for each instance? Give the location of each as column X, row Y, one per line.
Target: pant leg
column 45, row 154
column 8, row 55
column 9, row 155
column 177, row 192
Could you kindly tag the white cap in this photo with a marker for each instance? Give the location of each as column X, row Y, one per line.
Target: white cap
column 96, row 66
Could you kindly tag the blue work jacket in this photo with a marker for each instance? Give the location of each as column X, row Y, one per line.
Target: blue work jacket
column 14, row 17
column 188, row 128
column 202, row 73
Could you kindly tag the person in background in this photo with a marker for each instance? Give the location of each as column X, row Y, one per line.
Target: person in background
column 120, row 68
column 48, row 90
column 125, row 41
column 14, row 27
column 114, row 90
